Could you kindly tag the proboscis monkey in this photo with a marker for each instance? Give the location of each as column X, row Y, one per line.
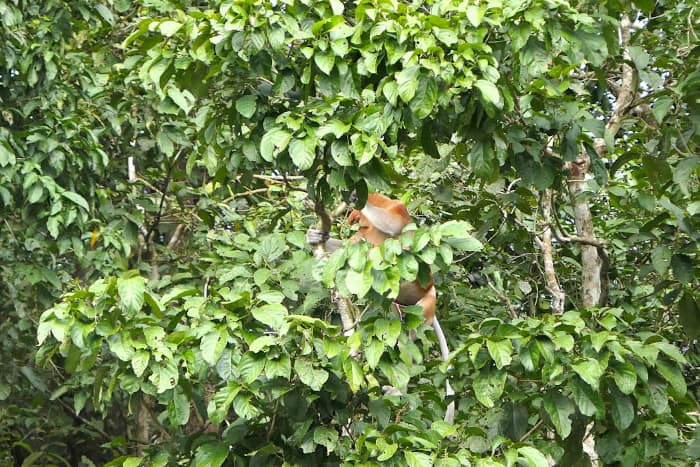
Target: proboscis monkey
column 383, row 218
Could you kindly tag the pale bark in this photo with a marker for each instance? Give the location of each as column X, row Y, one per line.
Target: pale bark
column 346, row 311
column 594, row 260
column 545, row 243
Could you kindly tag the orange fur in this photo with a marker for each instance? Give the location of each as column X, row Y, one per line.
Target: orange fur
column 393, row 215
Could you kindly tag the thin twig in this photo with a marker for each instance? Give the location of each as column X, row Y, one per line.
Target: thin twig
column 531, row 430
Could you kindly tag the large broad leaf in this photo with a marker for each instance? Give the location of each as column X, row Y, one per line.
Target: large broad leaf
column 212, row 345
column 354, row 374
column 251, row 366
column 131, row 292
column 246, row 106
column 625, row 377
column 534, row 457
column 514, row 422
column 587, row 400
column 273, row 142
column 425, row 97
column 622, row 411
column 359, row 283
column 77, row 199
column 211, row 455
column 164, row 376
column 407, row 81
column 661, row 259
column 179, row 409
column 689, row 315
column 272, row 314
column 489, row 93
column 303, row 152
column 589, row 370
column 559, row 408
column 418, row 459
column 327, row 437
column 488, row 387
column 310, row 376
column 500, row 351
column 682, row 267
column 673, row 375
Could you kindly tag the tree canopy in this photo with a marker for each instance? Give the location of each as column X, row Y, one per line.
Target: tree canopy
column 161, row 161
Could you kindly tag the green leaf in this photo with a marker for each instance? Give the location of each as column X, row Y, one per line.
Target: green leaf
column 513, row 423
column 7, row 156
column 374, row 349
column 387, row 450
column 682, row 266
column 131, row 291
column 622, row 411
column 246, row 106
column 658, row 396
column 281, row 367
column 500, row 351
column 671, row 351
column 164, row 376
column 590, row 371
column 105, row 13
column 121, row 345
column 534, row 457
column 310, row 376
column 647, row 6
column 661, row 259
column 689, row 315
column 683, row 174
column 303, row 152
column 425, row 97
column 673, row 375
column 390, row 91
column 179, row 409
column 359, row 283
column 210, row 455
column 324, row 61
column 587, row 400
column 52, row 225
column 272, row 314
column 489, row 93
column 76, row 198
column 353, row 373
column 273, row 142
column 327, row 437
column 212, row 345
column 139, row 362
column 625, row 377
column 639, row 56
column 661, row 107
column 407, row 81
column 244, row 408
column 418, row 459
column 475, row 14
column 168, row 28
column 336, row 127
column 251, row 366
column 488, row 387
column 559, row 408
column 341, row 153
column 182, row 98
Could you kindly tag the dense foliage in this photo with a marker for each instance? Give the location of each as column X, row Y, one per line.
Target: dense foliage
column 160, row 162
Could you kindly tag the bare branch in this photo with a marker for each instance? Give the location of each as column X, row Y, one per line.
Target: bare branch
column 545, row 243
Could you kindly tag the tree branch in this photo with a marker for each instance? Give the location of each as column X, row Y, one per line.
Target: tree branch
column 545, row 243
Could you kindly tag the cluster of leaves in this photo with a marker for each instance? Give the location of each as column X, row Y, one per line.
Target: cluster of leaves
column 269, row 364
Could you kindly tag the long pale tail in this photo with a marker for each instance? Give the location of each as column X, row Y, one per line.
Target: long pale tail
column 445, row 352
